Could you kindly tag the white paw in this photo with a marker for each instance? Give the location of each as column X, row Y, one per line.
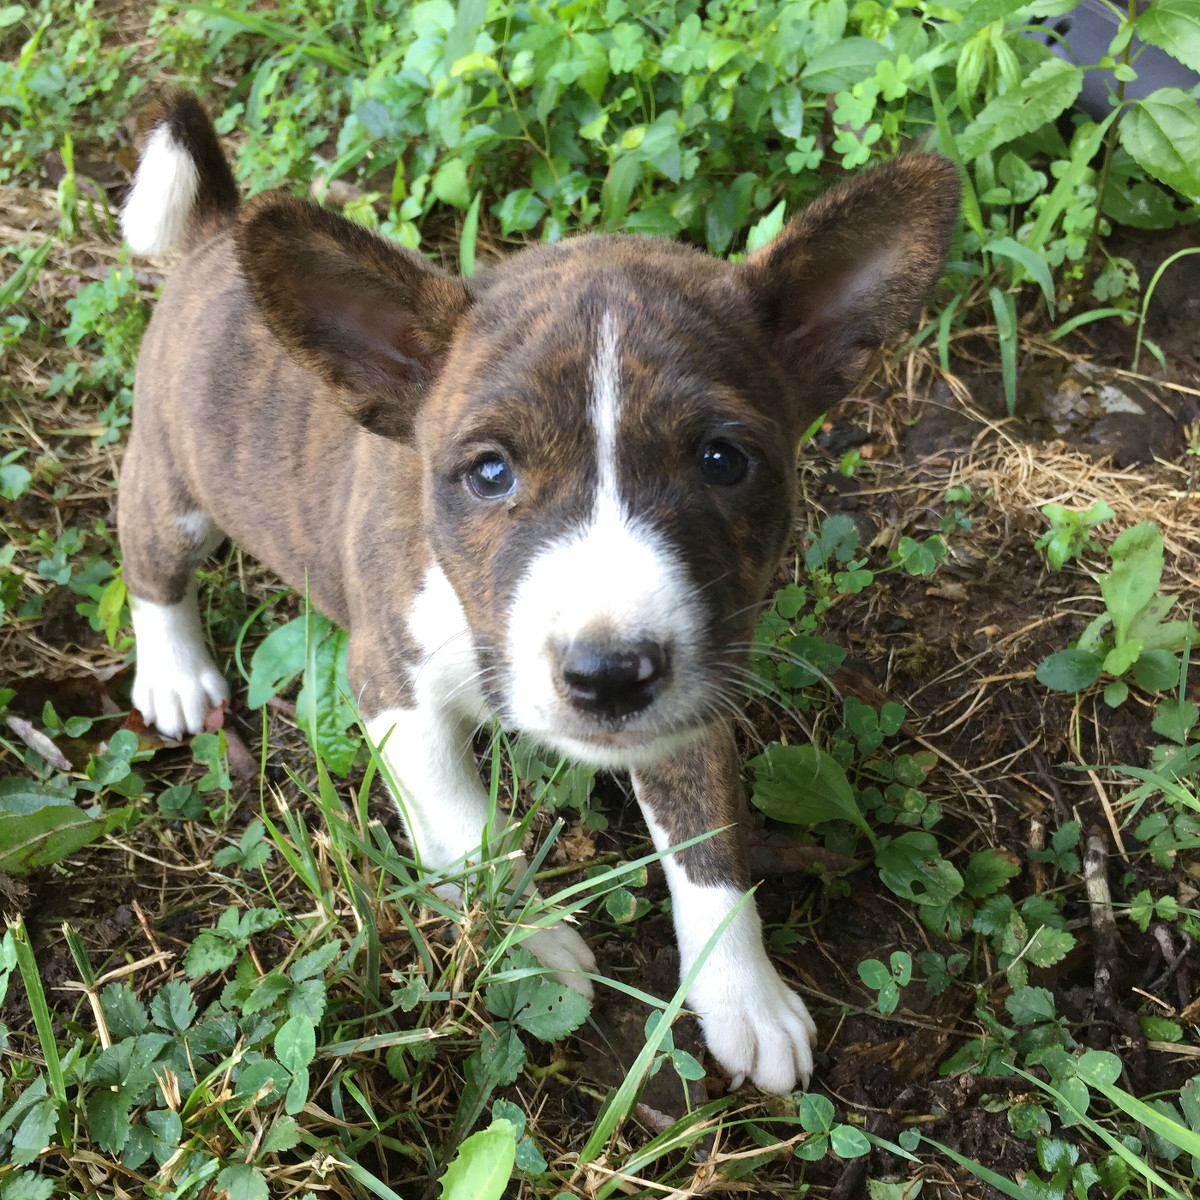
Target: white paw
column 177, row 683
column 757, row 1029
column 564, row 951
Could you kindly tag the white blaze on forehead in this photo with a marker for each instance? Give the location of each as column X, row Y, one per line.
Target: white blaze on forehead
column 606, row 408
column 612, row 578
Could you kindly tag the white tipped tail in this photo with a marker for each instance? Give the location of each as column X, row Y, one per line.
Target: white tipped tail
column 164, row 189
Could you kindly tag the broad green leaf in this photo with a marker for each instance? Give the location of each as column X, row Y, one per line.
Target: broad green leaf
column 1156, row 670
column 1162, row 132
column 243, row 1182
column 816, row 1112
column 296, row 1043
column 315, row 963
column 282, row 1135
column 123, row 1011
column 1049, row 90
column 1120, row 658
column 1137, row 567
column 555, row 1011
column 174, row 1007
column 912, row 866
column 804, row 785
column 108, row 1118
column 1175, row 26
column 1175, row 719
column 23, row 796
column 1070, row 670
column 49, row 834
column 483, row 1165
column 450, row 183
column 277, row 661
column 336, row 716
column 874, row 974
column 1049, row 946
column 34, row 1133
column 207, row 953
column 1031, row 1005
column 842, row 64
column 988, row 871
column 848, row 1142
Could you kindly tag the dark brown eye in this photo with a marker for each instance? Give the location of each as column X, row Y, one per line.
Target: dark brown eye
column 722, row 464
column 491, row 478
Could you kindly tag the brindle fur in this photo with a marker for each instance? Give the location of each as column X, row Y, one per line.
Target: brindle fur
column 320, row 394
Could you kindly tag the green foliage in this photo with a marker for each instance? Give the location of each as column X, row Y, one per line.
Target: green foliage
column 1132, row 635
column 887, row 979
column 1070, row 533
column 483, row 1164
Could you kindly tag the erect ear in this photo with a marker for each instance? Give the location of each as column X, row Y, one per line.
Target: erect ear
column 372, row 319
column 850, row 271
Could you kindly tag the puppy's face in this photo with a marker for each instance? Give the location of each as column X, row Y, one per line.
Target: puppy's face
column 608, row 484
column 607, row 429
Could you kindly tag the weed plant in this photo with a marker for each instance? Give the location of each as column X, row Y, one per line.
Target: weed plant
column 259, row 1065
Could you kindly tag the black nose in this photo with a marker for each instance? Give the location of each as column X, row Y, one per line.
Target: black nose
column 612, row 681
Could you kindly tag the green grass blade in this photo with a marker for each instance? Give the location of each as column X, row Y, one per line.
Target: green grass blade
column 470, row 230
column 1005, row 308
column 18, row 283
column 1086, row 318
column 42, row 1021
column 970, row 202
column 616, row 1107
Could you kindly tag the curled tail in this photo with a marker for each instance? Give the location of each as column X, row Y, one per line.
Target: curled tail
column 183, row 191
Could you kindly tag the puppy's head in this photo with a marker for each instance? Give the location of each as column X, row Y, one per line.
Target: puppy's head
column 607, row 429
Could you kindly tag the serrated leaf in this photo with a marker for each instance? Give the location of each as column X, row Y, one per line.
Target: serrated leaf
column 1045, row 93
column 483, row 1165
column 124, row 1013
column 108, row 1118
column 208, row 953
column 243, row 1182
column 282, row 1135
column 1175, row 719
column 1049, row 946
column 554, row 1011
column 336, row 716
column 165, row 1125
column 1174, row 25
column 1162, row 132
column 988, row 871
column 1030, row 1005
column 266, row 992
column 34, row 1133
column 28, row 1185
column 316, row 962
column 308, row 999
column 174, row 1007
column 804, row 785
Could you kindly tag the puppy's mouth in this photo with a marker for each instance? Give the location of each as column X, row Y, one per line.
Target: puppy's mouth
column 623, row 749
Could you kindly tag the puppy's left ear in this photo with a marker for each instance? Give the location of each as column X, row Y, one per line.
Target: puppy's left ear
column 372, row 319
column 850, row 271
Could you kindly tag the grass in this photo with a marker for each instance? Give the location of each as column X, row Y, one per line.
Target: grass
column 227, row 977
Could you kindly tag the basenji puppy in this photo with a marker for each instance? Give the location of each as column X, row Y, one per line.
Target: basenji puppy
column 555, row 493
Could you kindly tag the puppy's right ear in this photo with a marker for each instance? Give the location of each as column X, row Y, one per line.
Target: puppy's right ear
column 372, row 319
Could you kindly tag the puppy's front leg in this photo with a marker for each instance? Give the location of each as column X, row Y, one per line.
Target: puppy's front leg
column 428, row 753
column 754, row 1024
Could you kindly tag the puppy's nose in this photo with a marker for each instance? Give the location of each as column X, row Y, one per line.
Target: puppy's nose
column 612, row 680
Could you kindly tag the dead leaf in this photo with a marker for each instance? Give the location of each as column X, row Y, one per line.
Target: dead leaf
column 39, row 742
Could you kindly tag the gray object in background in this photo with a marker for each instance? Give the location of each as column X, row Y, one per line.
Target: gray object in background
column 1088, row 30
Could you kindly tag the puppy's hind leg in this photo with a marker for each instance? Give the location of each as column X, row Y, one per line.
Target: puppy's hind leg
column 164, row 536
